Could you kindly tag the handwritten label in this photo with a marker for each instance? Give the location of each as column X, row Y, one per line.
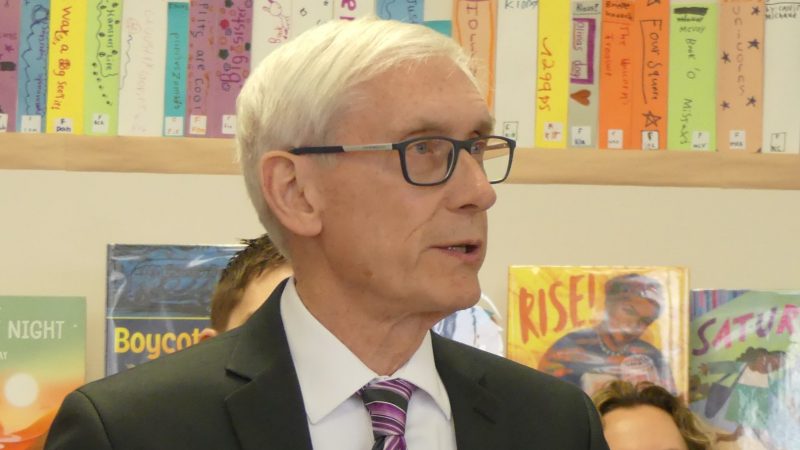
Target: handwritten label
column 583, row 43
column 777, row 142
column 553, row 131
column 510, row 129
column 701, row 140
column 3, row 122
column 63, row 125
column 228, row 124
column 615, row 138
column 581, row 136
column 173, row 126
column 737, row 140
column 197, row 125
column 99, row 123
column 650, row 140
column 31, row 124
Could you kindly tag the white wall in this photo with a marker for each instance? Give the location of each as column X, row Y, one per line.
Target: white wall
column 54, row 227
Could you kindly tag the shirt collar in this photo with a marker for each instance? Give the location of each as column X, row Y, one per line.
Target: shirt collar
column 329, row 373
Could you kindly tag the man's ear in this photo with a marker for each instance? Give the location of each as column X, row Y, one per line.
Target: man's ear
column 208, row 333
column 285, row 187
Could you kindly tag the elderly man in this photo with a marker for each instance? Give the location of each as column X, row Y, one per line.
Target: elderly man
column 367, row 153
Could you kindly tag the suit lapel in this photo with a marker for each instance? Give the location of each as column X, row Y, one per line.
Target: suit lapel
column 477, row 414
column 267, row 412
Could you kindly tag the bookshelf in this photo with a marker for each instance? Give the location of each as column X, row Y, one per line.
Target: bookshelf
column 531, row 166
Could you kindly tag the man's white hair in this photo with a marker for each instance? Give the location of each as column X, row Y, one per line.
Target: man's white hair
column 291, row 97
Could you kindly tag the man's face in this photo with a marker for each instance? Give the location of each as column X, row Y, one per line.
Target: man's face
column 407, row 249
column 629, row 317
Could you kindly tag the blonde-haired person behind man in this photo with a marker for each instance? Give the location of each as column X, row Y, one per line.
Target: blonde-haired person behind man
column 647, row 417
column 368, row 152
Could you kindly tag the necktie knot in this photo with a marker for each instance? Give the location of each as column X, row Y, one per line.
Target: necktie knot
column 387, row 403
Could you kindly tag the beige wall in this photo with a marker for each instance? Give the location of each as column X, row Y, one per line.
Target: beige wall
column 54, row 227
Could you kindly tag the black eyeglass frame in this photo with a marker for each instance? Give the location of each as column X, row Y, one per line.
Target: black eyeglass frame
column 403, row 145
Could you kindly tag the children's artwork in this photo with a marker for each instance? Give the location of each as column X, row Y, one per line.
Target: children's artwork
column 474, row 23
column 42, row 359
column 617, row 74
column 101, row 91
column 66, row 66
column 590, row 325
column 650, row 92
column 782, row 66
column 745, row 366
column 158, row 299
column 9, row 67
column 32, row 73
column 552, row 74
column 584, row 77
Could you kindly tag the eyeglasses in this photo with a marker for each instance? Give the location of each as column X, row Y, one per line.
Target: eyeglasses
column 428, row 161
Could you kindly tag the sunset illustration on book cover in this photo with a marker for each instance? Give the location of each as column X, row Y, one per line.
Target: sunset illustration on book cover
column 42, row 359
column 590, row 325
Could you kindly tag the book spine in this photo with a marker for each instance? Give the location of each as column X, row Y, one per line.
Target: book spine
column 693, row 76
column 474, row 23
column 103, row 42
column 584, row 60
column 202, row 19
column 32, row 68
column 552, row 77
column 143, row 62
column 177, row 63
column 272, row 24
column 9, row 64
column 411, row 12
column 740, row 79
column 617, row 75
column 439, row 16
column 515, row 110
column 781, row 89
column 650, row 92
column 353, row 9
column 66, row 63
column 309, row 13
column 230, row 66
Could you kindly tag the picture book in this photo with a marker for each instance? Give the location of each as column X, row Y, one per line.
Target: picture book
column 66, row 66
column 590, row 325
column 651, row 89
column 158, row 299
column 202, row 20
column 176, row 67
column 781, row 89
column 9, row 67
column 584, row 78
column 552, row 74
column 42, row 359
column 474, row 23
column 32, row 67
column 745, row 366
column 103, row 43
column 617, row 75
column 411, row 12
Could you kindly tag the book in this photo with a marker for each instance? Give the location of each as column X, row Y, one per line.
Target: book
column 353, row 9
column 781, row 90
column 593, row 324
column 9, row 55
column 176, row 67
column 617, row 75
column 584, row 77
column 272, row 25
column 692, row 76
column 202, row 20
column 32, row 68
column 230, row 65
column 158, row 299
column 142, row 68
column 515, row 71
column 745, row 370
column 552, row 74
column 650, row 91
column 740, row 79
column 438, row 16
column 42, row 359
column 103, row 43
column 309, row 13
column 411, row 12
column 66, row 66
column 474, row 23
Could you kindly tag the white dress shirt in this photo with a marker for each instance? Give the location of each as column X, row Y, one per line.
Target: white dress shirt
column 330, row 375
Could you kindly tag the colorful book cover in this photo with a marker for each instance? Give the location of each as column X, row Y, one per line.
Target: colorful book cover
column 32, row 69
column 309, row 13
column 353, row 9
column 474, row 23
column 515, row 73
column 177, row 63
column 740, row 75
column 617, row 75
column 66, row 66
column 42, row 359
column 552, row 74
column 142, row 68
column 650, row 92
column 230, row 65
column 272, row 24
column 782, row 66
column 411, row 12
column 591, row 325
column 103, row 42
column 584, row 62
column 202, row 20
column 158, row 299
column 692, row 76
column 745, row 366
column 439, row 16
column 9, row 58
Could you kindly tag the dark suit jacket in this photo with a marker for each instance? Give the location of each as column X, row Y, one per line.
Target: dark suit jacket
column 240, row 391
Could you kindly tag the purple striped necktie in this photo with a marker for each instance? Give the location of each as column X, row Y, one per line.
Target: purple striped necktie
column 387, row 403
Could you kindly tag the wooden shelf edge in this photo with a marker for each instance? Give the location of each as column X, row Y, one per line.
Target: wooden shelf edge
column 531, row 166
